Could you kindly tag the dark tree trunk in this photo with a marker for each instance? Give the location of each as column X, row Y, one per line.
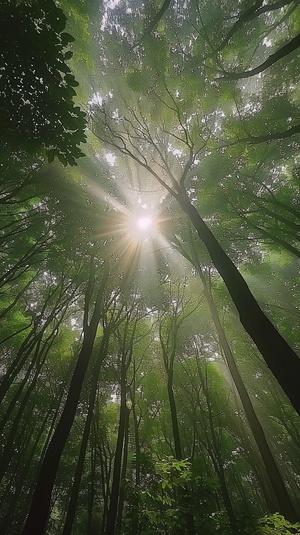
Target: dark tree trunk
column 5, row 526
column 35, row 362
column 137, row 444
column 135, row 523
column 280, row 241
column 123, row 474
column 244, row 17
column 279, row 356
column 80, row 463
column 174, row 418
column 226, row 498
column 154, row 22
column 256, row 140
column 40, row 506
column 8, row 450
column 91, row 490
column 32, row 339
column 285, row 505
column 183, row 494
column 214, row 449
column 115, row 487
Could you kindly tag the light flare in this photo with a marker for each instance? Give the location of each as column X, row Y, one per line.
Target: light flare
column 142, row 226
column 144, row 223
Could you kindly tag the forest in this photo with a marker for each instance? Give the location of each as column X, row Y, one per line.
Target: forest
column 149, row 267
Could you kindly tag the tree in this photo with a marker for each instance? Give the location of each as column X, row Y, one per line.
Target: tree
column 39, row 510
column 136, row 133
column 284, row 502
column 133, row 398
column 37, row 87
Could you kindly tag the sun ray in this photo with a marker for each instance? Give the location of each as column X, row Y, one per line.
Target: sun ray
column 133, row 227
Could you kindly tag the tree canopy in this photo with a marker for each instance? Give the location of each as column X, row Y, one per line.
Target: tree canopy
column 149, row 267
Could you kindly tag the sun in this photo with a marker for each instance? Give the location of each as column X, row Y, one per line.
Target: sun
column 144, row 223
column 141, row 226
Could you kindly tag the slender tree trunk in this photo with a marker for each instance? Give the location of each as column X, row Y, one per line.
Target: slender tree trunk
column 91, row 490
column 154, row 22
column 276, row 239
column 40, row 506
column 284, row 502
column 279, row 356
column 136, row 523
column 22, row 473
column 115, row 487
column 174, row 418
column 254, row 458
column 251, row 13
column 137, row 444
column 226, row 497
column 18, row 296
column 105, row 465
column 183, row 492
column 256, row 140
column 8, row 450
column 214, row 450
column 35, row 361
column 80, row 463
column 32, row 339
column 123, row 474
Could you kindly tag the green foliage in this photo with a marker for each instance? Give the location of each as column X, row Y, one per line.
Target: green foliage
column 168, row 111
column 276, row 524
column 173, row 473
column 38, row 114
column 156, row 504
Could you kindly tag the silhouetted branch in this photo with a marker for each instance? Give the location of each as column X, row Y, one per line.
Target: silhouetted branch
column 273, row 58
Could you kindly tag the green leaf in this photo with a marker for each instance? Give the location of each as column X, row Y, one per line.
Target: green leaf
column 68, row 55
column 66, row 38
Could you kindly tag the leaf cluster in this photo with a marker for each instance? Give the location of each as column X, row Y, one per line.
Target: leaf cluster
column 36, row 85
column 277, row 524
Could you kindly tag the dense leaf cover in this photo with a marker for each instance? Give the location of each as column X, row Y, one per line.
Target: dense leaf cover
column 149, row 294
column 36, row 84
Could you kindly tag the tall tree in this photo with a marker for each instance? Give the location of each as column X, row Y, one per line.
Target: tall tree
column 137, row 133
column 39, row 510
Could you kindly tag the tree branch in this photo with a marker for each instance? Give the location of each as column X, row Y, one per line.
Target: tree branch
column 154, row 22
column 273, row 58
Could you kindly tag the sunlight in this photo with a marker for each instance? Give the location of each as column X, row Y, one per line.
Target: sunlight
column 133, row 227
column 144, row 223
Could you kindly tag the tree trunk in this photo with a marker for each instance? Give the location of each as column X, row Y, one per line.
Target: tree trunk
column 214, row 450
column 39, row 510
column 115, row 487
column 123, row 474
column 80, row 463
column 91, row 490
column 8, row 450
column 279, row 357
column 188, row 526
column 256, row 140
column 174, row 419
column 285, row 505
column 5, row 526
column 251, row 13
